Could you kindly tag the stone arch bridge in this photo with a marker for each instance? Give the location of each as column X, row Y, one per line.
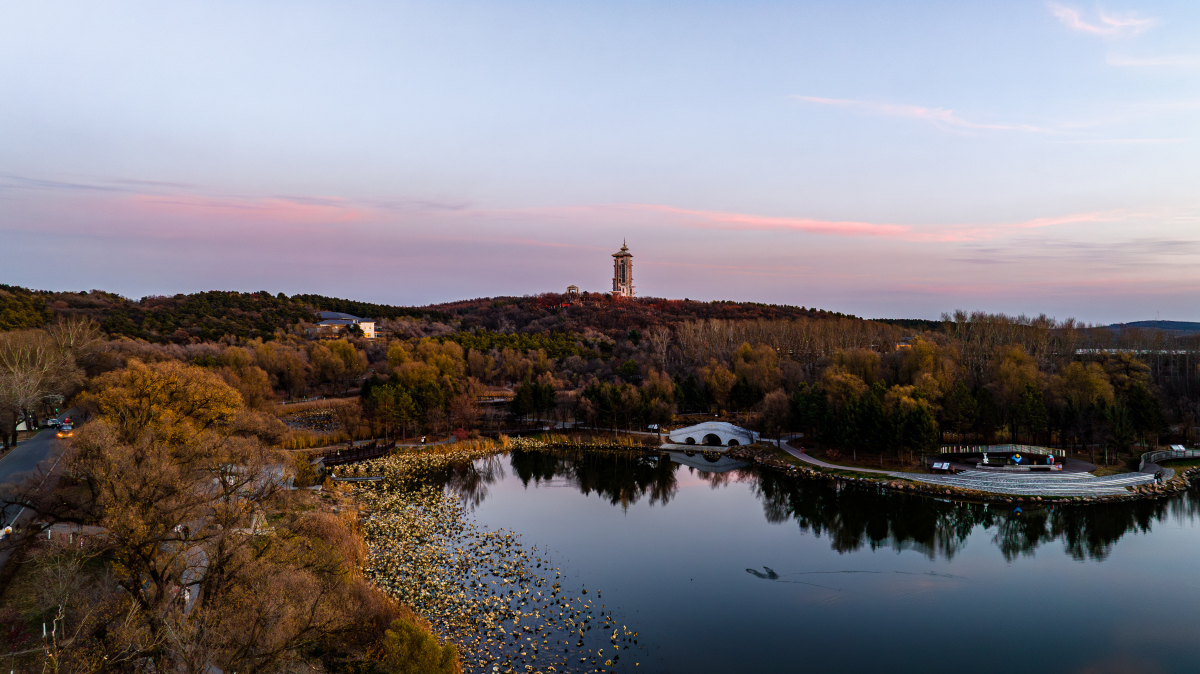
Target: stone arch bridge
column 713, row 434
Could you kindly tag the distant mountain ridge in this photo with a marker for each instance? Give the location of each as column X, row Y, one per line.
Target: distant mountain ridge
column 1177, row 327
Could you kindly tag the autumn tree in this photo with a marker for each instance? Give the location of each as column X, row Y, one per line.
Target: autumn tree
column 774, row 414
column 860, row 362
column 237, row 369
column 191, row 582
column 172, row 399
column 718, row 381
column 1015, row 371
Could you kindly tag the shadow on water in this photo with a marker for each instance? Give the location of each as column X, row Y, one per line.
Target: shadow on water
column 852, row 517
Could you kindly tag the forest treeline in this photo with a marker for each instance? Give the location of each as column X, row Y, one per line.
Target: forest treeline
column 848, row 383
column 187, row 319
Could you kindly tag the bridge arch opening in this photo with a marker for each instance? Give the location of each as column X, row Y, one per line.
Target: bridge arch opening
column 733, row 442
column 690, row 441
column 713, row 440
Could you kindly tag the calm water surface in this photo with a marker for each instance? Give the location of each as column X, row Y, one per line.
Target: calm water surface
column 751, row 571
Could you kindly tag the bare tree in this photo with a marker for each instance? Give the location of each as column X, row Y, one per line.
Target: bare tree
column 32, row 367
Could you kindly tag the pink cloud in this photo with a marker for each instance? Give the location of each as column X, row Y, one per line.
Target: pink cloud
column 725, row 220
column 241, row 209
column 850, row 228
column 1109, row 25
column 205, row 217
column 940, row 116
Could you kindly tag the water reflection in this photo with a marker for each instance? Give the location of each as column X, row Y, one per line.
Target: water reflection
column 622, row 478
column 470, row 480
column 852, row 517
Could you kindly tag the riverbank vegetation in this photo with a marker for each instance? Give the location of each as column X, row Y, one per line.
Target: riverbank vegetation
column 171, row 538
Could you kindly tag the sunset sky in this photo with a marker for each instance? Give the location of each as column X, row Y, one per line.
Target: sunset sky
column 882, row 159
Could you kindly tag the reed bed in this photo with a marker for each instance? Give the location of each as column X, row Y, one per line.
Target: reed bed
column 283, row 409
column 297, row 438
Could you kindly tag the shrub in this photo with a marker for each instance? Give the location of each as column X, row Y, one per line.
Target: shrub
column 407, row 649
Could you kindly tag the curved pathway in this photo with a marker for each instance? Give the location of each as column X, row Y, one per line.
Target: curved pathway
column 817, row 462
column 1034, row 484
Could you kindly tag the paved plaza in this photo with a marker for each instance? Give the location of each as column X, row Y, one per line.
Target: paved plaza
column 1017, row 484
column 1036, row 484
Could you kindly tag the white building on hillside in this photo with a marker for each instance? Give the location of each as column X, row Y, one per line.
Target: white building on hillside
column 334, row 322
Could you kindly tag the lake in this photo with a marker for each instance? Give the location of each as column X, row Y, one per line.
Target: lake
column 753, row 571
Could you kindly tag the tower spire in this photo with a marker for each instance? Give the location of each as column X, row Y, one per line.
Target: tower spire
column 623, row 271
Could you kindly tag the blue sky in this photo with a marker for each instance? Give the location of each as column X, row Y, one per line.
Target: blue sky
column 882, row 159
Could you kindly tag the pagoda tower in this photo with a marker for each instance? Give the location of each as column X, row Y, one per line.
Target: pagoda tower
column 623, row 272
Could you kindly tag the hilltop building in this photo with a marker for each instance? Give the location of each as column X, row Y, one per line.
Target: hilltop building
column 623, row 272
column 334, row 322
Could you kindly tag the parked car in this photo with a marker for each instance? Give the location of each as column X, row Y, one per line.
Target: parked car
column 52, row 422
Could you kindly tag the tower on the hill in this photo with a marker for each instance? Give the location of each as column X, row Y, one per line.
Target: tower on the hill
column 623, row 272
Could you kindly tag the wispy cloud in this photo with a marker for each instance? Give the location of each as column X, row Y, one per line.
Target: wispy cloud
column 1147, row 257
column 1109, row 25
column 940, row 116
column 188, row 213
column 1178, row 61
column 949, row 233
column 745, row 221
column 305, row 210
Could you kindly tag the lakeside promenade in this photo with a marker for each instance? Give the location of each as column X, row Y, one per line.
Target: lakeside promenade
column 1034, row 484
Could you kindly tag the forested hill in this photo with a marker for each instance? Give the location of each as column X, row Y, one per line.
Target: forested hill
column 1176, row 327
column 209, row 316
column 205, row 316
column 21, row 308
column 605, row 313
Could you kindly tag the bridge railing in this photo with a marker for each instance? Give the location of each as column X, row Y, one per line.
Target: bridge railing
column 1164, row 454
column 1001, row 449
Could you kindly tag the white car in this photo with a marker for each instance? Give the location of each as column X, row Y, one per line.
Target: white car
column 52, row 423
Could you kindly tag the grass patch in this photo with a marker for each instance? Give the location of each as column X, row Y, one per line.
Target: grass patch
column 1180, row 464
column 841, row 472
column 845, row 461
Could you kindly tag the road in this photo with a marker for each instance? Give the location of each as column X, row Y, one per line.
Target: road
column 21, row 462
column 28, row 456
column 24, row 460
